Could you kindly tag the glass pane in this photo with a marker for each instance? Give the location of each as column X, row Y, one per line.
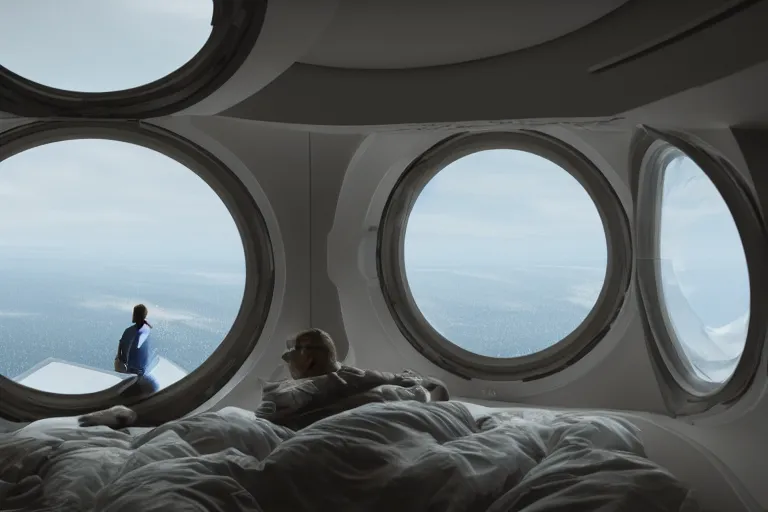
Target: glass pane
column 505, row 253
column 91, row 228
column 705, row 282
column 101, row 45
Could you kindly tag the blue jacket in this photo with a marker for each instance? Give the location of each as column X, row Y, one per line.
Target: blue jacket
column 135, row 349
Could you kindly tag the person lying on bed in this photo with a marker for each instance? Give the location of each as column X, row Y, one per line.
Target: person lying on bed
column 320, row 387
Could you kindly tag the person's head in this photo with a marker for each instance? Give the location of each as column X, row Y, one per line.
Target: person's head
column 310, row 353
column 140, row 314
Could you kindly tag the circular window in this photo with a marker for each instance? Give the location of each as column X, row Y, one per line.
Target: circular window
column 98, row 46
column 137, row 58
column 94, row 227
column 503, row 253
column 702, row 270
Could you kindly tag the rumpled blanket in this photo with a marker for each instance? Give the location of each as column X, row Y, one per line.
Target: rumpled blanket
column 403, row 456
column 299, row 403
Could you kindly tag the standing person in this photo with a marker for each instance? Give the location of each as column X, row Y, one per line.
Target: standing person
column 134, row 352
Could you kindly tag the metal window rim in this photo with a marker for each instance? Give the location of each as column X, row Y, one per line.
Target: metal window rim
column 439, row 350
column 20, row 403
column 653, row 149
column 236, row 28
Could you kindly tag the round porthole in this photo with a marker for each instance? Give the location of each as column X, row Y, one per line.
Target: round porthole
column 504, row 255
column 703, row 272
column 701, row 246
column 99, row 219
column 135, row 59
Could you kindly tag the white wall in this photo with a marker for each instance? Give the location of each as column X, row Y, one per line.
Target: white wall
column 324, row 207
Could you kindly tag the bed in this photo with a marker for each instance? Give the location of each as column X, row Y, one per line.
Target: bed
column 400, row 451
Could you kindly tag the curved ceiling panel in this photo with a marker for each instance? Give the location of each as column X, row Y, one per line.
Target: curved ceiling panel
column 290, row 28
column 400, row 34
column 549, row 81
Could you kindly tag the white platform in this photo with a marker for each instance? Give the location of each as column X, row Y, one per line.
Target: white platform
column 59, row 376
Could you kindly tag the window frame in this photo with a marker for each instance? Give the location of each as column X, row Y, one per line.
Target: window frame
column 236, row 27
column 21, row 403
column 406, row 314
column 651, row 152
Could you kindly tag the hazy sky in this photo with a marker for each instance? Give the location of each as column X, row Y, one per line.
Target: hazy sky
column 697, row 229
column 98, row 197
column 505, row 207
column 100, row 45
column 512, row 207
column 113, row 200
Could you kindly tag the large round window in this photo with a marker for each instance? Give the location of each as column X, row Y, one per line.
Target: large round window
column 129, row 59
column 504, row 253
column 701, row 244
column 703, row 270
column 93, row 228
column 101, row 46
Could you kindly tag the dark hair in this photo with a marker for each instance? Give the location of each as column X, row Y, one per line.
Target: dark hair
column 140, row 313
column 316, row 338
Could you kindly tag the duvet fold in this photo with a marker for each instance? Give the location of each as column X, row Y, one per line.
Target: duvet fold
column 404, row 455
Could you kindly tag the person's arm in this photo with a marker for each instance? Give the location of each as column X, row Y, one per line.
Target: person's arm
column 122, row 347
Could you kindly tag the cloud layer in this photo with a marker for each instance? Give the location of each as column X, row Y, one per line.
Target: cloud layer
column 16, row 314
column 156, row 313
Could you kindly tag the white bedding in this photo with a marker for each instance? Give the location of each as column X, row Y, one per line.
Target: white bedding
column 402, row 456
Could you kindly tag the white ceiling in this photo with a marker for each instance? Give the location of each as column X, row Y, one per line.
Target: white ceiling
column 399, row 34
